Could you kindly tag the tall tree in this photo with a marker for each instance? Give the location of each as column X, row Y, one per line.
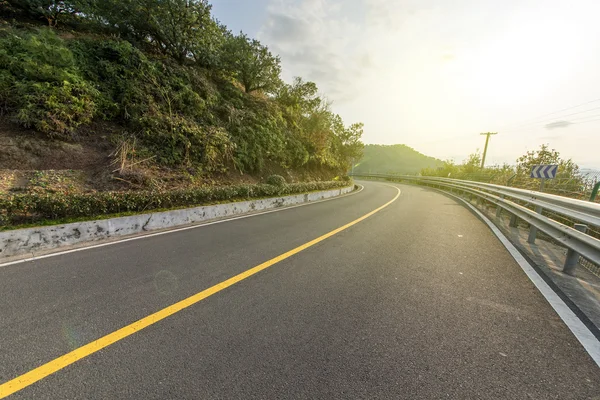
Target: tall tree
column 181, row 29
column 300, row 98
column 545, row 155
column 568, row 179
column 352, row 147
column 252, row 64
column 346, row 141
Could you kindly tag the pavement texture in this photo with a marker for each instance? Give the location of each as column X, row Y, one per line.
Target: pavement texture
column 583, row 288
column 418, row 301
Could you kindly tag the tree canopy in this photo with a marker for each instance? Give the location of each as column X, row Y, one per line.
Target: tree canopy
column 251, row 63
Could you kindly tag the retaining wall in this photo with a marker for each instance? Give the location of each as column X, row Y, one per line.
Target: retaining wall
column 30, row 241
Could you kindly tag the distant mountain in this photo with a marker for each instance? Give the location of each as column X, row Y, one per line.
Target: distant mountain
column 397, row 158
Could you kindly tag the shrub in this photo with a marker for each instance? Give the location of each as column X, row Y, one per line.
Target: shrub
column 167, row 104
column 31, row 207
column 41, row 86
column 276, row 180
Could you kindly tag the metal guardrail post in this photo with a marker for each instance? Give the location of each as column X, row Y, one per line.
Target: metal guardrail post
column 532, row 229
column 499, row 209
column 538, row 209
column 513, row 221
column 573, row 256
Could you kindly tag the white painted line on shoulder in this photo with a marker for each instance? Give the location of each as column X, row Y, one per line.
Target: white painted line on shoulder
column 200, row 225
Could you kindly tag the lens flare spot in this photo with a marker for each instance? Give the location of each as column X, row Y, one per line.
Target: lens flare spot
column 165, row 282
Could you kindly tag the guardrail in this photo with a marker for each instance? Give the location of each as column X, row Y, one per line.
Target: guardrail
column 530, row 206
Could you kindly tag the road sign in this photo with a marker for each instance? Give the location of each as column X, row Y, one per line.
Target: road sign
column 544, row 171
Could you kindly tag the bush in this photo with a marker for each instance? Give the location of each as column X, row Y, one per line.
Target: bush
column 167, row 104
column 40, row 84
column 21, row 208
column 276, row 180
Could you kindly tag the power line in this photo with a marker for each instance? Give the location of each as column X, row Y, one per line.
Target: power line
column 579, row 121
column 544, row 122
column 575, row 113
column 583, row 122
column 586, row 117
column 571, row 121
column 552, row 113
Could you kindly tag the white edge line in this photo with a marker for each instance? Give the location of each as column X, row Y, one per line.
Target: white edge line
column 581, row 332
column 199, row 225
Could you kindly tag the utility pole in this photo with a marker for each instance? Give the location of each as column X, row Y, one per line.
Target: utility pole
column 487, row 140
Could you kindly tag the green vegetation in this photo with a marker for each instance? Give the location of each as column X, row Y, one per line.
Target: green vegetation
column 568, row 181
column 252, row 64
column 33, row 207
column 396, row 158
column 189, row 92
column 276, row 180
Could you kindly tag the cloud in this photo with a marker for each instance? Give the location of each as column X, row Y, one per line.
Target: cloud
column 350, row 47
column 319, row 43
column 286, row 29
column 390, row 15
column 558, row 124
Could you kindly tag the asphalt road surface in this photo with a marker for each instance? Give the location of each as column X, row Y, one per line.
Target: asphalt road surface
column 417, row 301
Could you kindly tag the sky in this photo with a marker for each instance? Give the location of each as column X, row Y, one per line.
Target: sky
column 434, row 74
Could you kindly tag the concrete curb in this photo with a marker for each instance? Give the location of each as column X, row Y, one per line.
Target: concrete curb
column 31, row 240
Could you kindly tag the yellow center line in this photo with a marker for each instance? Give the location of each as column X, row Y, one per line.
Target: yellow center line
column 29, row 378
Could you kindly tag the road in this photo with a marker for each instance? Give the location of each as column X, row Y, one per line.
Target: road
column 417, row 301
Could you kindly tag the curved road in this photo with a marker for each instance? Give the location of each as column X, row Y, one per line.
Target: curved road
column 417, row 301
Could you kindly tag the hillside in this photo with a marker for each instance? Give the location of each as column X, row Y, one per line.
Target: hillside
column 98, row 95
column 397, row 158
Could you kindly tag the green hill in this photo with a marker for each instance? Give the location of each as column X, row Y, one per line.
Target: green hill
column 397, row 158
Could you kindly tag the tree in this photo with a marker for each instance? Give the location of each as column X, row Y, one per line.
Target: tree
column 252, row 64
column 311, row 118
column 300, row 98
column 49, row 10
column 349, row 146
column 352, row 146
column 545, row 155
column 472, row 165
column 568, row 180
column 181, row 29
column 322, row 132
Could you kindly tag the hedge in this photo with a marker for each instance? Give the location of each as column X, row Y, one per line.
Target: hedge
column 31, row 207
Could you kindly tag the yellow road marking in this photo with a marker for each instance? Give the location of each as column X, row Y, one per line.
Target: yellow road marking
column 29, row 378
